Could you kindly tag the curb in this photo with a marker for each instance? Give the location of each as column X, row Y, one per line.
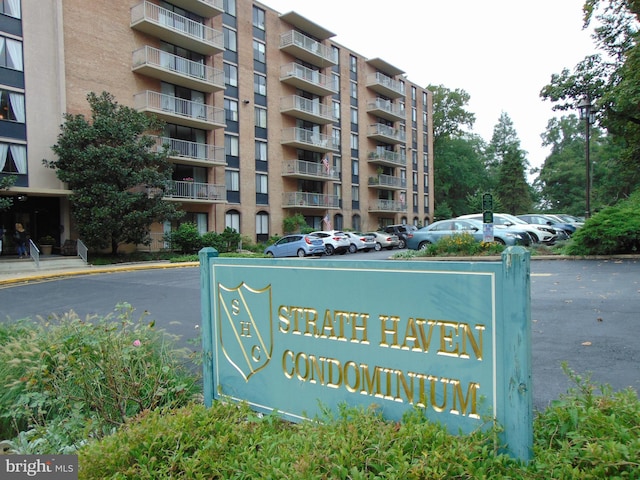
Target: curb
column 95, row 270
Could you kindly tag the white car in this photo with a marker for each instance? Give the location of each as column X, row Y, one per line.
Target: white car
column 538, row 233
column 335, row 241
column 361, row 241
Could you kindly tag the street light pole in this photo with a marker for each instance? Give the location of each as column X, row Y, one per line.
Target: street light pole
column 587, row 114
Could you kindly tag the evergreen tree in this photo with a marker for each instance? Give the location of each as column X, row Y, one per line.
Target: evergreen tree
column 117, row 180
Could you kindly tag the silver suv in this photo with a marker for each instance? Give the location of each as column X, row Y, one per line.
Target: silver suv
column 335, row 241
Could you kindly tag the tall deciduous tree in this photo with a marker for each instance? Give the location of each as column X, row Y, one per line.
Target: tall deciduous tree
column 612, row 83
column 117, row 180
column 458, row 161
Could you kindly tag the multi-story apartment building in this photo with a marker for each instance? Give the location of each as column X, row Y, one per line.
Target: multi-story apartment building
column 265, row 115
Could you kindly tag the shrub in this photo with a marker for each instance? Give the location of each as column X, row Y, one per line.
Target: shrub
column 463, row 244
column 614, row 230
column 186, row 238
column 225, row 242
column 65, row 379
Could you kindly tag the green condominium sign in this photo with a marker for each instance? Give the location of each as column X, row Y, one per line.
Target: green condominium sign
column 298, row 335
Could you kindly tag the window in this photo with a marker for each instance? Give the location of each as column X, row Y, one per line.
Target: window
column 261, row 117
column 230, row 7
column 356, row 223
column 354, row 116
column 354, row 90
column 355, row 194
column 11, row 54
column 259, row 84
column 414, row 114
column 261, row 151
column 232, row 220
column 231, row 109
column 261, row 183
column 258, row 18
column 230, row 39
column 12, row 106
column 230, row 75
column 353, row 64
column 354, row 141
column 413, row 93
column 13, row 158
column 355, row 167
column 262, row 224
column 336, row 109
column 231, row 146
column 259, row 52
column 232, row 180
column 336, row 137
column 10, row 8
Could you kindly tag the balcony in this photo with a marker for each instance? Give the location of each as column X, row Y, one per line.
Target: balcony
column 180, row 111
column 309, row 170
column 388, row 158
column 161, row 23
column 196, row 192
column 307, row 140
column 387, row 182
column 308, row 79
column 191, row 153
column 307, row 200
column 306, row 109
column 386, row 206
column 385, row 133
column 170, row 68
column 204, row 8
column 385, row 86
column 307, row 49
column 385, row 109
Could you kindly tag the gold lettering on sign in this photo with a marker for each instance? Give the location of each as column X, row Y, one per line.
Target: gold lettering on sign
column 339, row 325
column 453, row 338
column 442, row 394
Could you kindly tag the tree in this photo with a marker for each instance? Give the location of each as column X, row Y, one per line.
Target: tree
column 449, row 114
column 116, row 179
column 460, row 174
column 5, row 184
column 506, row 166
column 611, row 82
column 457, row 155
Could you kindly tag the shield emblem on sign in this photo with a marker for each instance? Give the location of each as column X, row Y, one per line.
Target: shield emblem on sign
column 245, row 326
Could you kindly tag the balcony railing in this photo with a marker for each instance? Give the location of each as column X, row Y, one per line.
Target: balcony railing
column 162, row 23
column 388, row 206
column 181, row 111
column 385, row 85
column 171, row 68
column 386, row 133
column 196, row 191
column 306, row 48
column 388, row 182
column 308, row 79
column 192, row 153
column 310, row 200
column 307, row 109
column 385, row 109
column 304, row 169
column 307, row 140
column 387, row 157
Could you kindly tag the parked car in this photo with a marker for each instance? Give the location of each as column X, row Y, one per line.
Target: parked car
column 402, row 231
column 299, row 245
column 335, row 241
column 435, row 232
column 540, row 219
column 385, row 240
column 539, row 233
column 360, row 241
column 577, row 221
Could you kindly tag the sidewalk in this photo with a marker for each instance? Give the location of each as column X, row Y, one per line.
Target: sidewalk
column 14, row 270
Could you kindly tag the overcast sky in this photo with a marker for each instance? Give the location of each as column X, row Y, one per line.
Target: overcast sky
column 502, row 52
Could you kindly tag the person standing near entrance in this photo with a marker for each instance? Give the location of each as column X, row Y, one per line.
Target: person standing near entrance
column 21, row 240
